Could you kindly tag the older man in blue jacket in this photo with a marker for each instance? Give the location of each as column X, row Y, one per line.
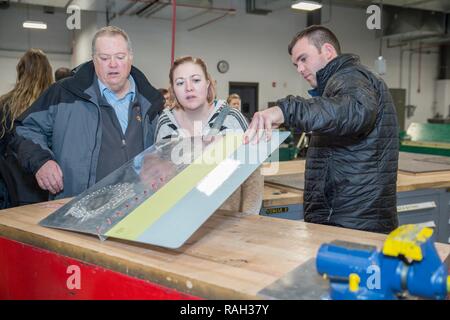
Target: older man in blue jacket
column 86, row 126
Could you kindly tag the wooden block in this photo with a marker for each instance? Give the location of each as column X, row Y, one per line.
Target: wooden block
column 283, row 168
column 280, row 196
column 293, row 181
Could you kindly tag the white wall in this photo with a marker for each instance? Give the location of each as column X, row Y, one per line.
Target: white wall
column 349, row 25
column 82, row 43
column 255, row 46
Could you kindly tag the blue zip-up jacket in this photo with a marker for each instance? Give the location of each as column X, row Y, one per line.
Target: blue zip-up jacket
column 64, row 124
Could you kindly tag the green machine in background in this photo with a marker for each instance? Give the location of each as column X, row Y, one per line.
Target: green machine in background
column 424, row 138
column 294, row 146
column 427, row 138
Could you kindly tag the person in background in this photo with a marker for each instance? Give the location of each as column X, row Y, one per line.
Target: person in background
column 34, row 75
column 88, row 125
column 194, row 112
column 165, row 94
column 62, row 73
column 234, row 101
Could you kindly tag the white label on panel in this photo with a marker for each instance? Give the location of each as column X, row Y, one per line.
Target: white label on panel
column 416, row 206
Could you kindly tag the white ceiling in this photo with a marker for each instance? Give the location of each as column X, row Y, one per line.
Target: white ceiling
column 186, row 9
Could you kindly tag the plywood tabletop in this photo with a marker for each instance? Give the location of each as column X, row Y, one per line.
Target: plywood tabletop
column 230, row 257
column 280, row 196
column 428, row 173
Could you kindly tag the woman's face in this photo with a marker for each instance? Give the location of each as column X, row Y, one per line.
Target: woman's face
column 190, row 86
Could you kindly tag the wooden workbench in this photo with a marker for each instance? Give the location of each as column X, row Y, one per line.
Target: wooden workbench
column 423, row 182
column 229, row 257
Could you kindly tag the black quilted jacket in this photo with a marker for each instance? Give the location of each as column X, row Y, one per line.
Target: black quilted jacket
column 352, row 160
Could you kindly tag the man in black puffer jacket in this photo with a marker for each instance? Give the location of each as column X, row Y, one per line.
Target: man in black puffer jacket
column 352, row 160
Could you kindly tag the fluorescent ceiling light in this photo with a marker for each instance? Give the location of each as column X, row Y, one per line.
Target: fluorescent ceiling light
column 306, row 5
column 34, row 25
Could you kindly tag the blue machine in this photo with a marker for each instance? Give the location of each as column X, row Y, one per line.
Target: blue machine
column 408, row 263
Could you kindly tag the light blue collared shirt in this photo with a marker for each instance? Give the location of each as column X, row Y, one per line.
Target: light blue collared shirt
column 120, row 106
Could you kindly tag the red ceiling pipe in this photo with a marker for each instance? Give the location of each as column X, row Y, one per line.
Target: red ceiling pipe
column 174, row 28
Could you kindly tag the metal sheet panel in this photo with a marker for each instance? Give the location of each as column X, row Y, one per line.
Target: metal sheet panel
column 167, row 192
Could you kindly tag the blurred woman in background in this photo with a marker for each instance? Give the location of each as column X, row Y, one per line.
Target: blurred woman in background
column 234, row 101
